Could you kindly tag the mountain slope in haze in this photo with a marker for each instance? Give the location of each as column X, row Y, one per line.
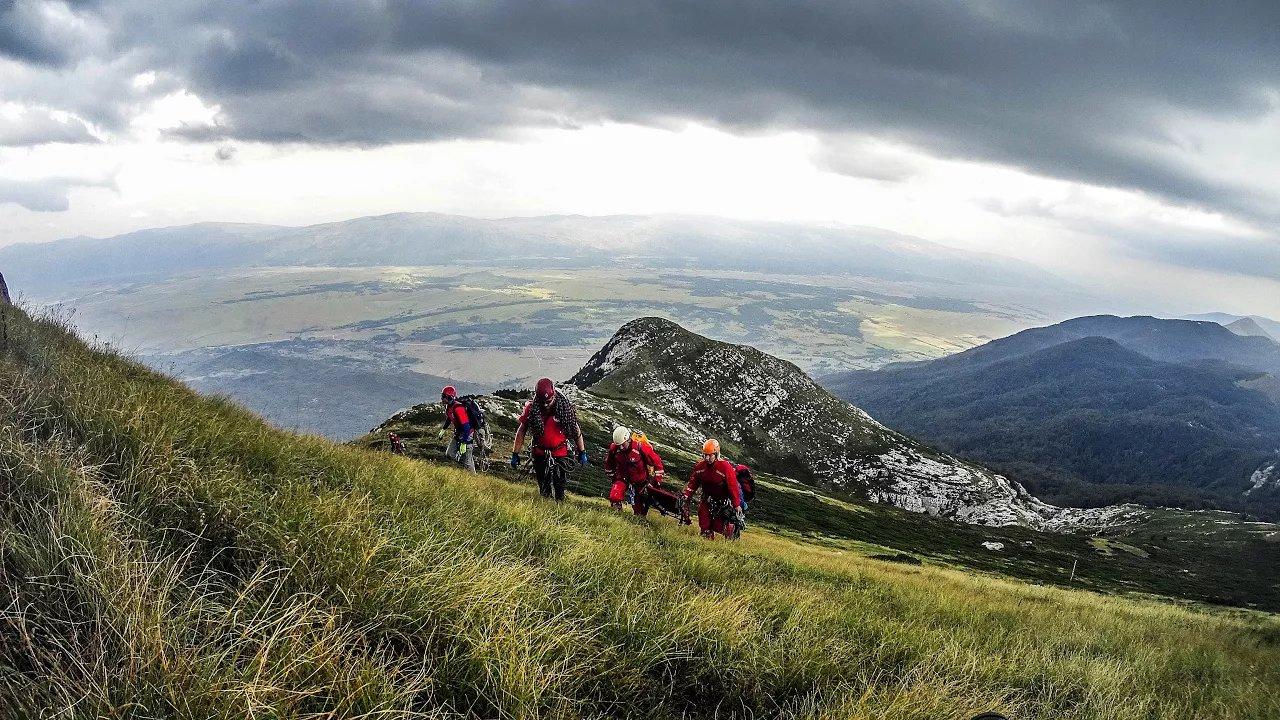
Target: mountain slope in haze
column 422, row 239
column 304, row 385
column 1271, row 327
column 769, row 413
column 1099, row 410
column 1248, row 327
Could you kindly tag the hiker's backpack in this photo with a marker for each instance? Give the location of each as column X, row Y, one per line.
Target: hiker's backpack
column 638, row 436
column 474, row 413
column 747, row 483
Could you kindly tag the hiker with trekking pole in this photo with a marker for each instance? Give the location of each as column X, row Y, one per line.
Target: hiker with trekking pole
column 637, row 474
column 551, row 421
column 720, row 509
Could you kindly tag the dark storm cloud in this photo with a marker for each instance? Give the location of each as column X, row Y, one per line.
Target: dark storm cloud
column 1074, row 90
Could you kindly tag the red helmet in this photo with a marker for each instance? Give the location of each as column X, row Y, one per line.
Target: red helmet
column 545, row 389
column 448, row 393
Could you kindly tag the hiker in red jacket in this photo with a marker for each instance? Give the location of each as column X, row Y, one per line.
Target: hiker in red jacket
column 632, row 464
column 552, row 422
column 720, row 510
column 455, row 416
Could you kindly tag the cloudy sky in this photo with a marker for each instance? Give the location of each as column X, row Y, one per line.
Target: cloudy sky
column 1128, row 145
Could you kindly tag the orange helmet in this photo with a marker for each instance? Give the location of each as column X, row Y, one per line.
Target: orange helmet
column 711, row 447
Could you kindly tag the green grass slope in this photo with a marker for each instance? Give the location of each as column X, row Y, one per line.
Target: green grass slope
column 1201, row 556
column 169, row 555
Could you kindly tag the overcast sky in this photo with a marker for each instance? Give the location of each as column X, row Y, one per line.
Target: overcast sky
column 1129, row 145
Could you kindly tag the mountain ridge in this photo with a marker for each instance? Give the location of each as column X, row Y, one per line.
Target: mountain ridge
column 770, row 413
column 442, row 239
column 1098, row 419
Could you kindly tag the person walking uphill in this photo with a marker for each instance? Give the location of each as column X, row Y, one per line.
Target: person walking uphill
column 720, row 510
column 629, row 462
column 455, row 415
column 551, row 421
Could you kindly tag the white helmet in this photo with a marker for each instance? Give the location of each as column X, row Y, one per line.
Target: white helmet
column 621, row 435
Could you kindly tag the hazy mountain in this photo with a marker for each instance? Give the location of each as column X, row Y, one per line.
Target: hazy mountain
column 668, row 241
column 1179, row 341
column 322, row 388
column 1269, row 326
column 1248, row 327
column 1099, row 410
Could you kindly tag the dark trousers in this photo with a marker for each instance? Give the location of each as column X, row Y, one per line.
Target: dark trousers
column 551, row 475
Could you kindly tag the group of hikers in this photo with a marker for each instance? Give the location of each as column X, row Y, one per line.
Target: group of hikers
column 550, row 422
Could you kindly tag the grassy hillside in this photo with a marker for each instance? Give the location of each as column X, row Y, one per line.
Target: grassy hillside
column 168, row 555
column 1200, row 556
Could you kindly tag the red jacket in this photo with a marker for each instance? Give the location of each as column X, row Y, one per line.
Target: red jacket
column 632, row 465
column 456, row 415
column 718, row 480
column 553, row 439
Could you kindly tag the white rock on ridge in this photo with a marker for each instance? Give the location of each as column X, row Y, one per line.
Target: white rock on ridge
column 1263, row 478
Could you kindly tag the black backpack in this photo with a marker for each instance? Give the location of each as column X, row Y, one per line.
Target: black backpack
column 474, row 413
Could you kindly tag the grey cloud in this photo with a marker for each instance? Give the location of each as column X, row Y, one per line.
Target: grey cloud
column 1250, row 257
column 224, row 153
column 1076, row 90
column 35, row 126
column 864, row 160
column 45, row 194
column 45, row 33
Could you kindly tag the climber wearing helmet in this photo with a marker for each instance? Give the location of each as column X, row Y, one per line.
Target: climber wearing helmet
column 720, row 509
column 455, row 415
column 632, row 464
column 552, row 422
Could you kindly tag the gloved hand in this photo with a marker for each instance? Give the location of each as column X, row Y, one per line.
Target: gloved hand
column 515, row 461
column 462, row 449
column 583, row 459
column 739, row 517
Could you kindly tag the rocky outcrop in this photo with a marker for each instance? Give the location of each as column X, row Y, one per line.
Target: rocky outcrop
column 4, row 292
column 686, row 386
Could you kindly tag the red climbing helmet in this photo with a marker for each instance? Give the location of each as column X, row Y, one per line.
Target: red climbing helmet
column 448, row 393
column 545, row 389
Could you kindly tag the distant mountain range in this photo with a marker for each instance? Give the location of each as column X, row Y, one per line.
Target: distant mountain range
column 1101, row 409
column 1243, row 324
column 419, row 239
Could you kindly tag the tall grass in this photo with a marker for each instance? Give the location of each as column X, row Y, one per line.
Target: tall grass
column 168, row 555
